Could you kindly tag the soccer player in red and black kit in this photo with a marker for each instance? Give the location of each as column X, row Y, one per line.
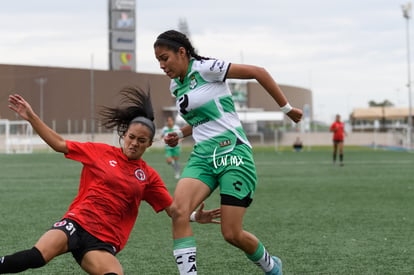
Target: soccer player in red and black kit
column 338, row 139
column 113, row 183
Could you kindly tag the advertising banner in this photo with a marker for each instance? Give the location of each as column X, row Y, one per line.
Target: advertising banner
column 123, row 20
column 123, row 60
column 122, row 41
column 122, row 4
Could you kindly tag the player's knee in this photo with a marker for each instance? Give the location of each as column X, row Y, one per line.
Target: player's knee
column 38, row 259
column 231, row 236
column 179, row 212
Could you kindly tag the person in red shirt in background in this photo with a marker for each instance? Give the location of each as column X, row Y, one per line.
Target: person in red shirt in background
column 338, row 139
column 113, row 183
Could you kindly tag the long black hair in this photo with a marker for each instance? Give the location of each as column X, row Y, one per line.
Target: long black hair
column 173, row 40
column 135, row 107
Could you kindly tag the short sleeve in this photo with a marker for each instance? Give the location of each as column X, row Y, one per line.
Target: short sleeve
column 212, row 70
column 82, row 152
column 156, row 193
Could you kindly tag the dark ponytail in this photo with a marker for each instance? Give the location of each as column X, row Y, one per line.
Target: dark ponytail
column 173, row 40
column 135, row 107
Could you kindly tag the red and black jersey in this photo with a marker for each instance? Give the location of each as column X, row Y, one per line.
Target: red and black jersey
column 111, row 190
column 338, row 131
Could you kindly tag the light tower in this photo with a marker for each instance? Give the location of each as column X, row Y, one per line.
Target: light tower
column 406, row 9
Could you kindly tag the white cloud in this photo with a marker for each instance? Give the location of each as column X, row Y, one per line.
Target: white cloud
column 347, row 51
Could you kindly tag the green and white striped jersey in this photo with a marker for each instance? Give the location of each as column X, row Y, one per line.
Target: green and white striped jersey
column 205, row 102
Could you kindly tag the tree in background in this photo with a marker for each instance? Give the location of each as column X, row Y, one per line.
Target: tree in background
column 385, row 103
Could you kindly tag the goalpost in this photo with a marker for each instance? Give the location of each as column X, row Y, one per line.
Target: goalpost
column 16, row 137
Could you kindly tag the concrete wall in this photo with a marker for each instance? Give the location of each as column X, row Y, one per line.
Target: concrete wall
column 287, row 139
column 321, row 139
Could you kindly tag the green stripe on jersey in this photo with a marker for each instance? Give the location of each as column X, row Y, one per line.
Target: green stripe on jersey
column 189, row 84
column 203, row 114
column 227, row 103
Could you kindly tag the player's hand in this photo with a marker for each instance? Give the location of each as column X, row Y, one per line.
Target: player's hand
column 295, row 115
column 208, row 216
column 20, row 106
column 171, row 139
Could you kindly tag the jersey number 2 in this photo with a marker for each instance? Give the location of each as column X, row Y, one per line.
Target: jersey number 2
column 183, row 102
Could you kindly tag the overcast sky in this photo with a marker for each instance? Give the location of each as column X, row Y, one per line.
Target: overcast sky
column 347, row 52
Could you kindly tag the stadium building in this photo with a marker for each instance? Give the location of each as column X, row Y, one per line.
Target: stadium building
column 381, row 119
column 69, row 100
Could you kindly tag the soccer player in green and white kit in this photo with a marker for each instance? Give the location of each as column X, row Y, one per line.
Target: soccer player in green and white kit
column 222, row 155
column 172, row 154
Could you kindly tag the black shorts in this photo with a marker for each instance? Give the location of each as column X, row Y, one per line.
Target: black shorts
column 233, row 201
column 81, row 241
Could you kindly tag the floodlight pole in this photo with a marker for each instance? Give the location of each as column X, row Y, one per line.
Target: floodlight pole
column 406, row 9
column 41, row 81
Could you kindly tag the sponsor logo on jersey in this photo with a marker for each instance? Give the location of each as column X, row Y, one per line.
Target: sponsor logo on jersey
column 140, row 175
column 193, row 82
column 225, row 143
column 219, row 64
column 60, row 224
column 198, row 123
column 226, row 160
column 68, row 226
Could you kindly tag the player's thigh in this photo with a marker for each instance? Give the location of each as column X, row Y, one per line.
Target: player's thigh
column 188, row 194
column 196, row 184
column 238, row 178
column 101, row 262
column 53, row 243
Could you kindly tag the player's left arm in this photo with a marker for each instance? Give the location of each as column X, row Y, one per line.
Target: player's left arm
column 18, row 104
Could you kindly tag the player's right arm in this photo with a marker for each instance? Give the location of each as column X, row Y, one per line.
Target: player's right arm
column 25, row 111
column 187, row 130
column 172, row 138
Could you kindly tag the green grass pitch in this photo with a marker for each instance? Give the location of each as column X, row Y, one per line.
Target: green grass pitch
column 319, row 218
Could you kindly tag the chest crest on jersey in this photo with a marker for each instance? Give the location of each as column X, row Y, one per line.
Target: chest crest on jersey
column 140, row 175
column 193, row 82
